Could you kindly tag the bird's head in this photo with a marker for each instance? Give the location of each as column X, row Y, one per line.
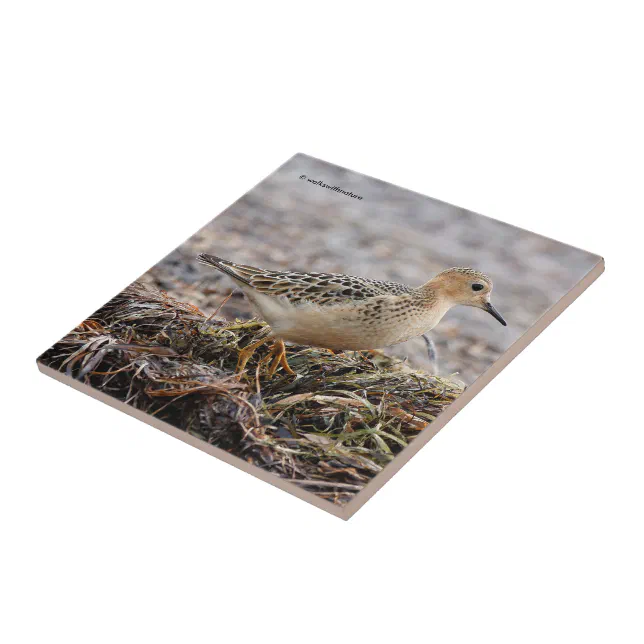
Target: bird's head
column 467, row 287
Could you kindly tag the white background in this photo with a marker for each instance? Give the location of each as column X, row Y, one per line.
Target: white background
column 125, row 126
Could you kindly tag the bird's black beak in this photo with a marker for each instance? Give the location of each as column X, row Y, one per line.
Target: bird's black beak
column 494, row 313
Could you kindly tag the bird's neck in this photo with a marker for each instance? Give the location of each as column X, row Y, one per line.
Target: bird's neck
column 436, row 300
column 436, row 290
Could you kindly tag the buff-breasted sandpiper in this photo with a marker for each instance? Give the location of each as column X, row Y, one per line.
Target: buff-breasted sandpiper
column 343, row 312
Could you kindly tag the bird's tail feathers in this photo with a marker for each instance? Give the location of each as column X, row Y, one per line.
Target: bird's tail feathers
column 223, row 265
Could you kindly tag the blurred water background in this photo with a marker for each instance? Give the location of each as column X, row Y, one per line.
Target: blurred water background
column 286, row 222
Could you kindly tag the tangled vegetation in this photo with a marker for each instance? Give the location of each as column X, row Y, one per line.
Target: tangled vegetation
column 330, row 429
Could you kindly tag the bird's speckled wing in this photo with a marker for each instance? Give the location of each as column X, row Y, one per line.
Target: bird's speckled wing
column 319, row 288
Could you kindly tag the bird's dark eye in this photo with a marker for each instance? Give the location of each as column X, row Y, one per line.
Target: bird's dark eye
column 477, row 287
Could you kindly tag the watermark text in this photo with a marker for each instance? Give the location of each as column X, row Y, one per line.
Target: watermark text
column 348, row 193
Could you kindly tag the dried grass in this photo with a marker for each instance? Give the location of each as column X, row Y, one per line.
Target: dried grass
column 330, row 429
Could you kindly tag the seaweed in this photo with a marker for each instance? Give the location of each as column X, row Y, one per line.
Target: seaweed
column 330, row 429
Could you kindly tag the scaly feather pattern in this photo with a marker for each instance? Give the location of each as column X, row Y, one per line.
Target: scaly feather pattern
column 322, row 289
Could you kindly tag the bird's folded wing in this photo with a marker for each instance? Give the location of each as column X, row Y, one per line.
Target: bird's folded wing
column 318, row 288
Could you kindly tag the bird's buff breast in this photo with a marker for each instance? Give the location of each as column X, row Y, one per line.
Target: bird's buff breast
column 352, row 327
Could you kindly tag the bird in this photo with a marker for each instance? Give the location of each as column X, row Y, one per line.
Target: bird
column 334, row 311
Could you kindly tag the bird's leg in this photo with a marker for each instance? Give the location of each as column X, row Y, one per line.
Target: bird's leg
column 431, row 353
column 246, row 353
column 279, row 353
